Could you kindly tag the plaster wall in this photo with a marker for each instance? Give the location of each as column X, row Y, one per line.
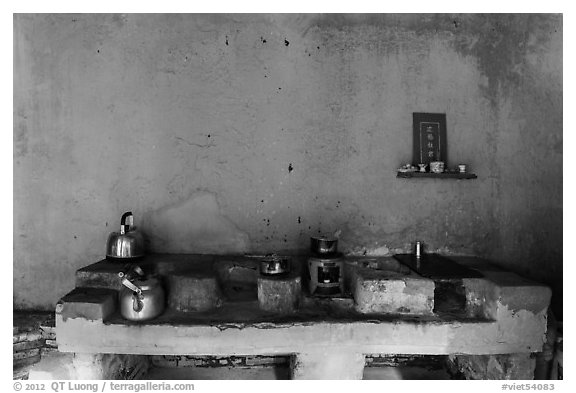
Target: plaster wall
column 247, row 133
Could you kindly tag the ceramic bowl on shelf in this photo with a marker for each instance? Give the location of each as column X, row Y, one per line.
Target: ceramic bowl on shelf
column 437, row 166
column 407, row 168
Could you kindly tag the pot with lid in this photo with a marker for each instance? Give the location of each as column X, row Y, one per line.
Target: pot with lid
column 326, row 244
column 274, row 264
column 126, row 244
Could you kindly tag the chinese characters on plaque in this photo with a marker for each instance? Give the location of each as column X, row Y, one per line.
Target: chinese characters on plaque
column 430, row 141
column 429, row 138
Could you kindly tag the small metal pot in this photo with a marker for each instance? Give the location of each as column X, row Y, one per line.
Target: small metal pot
column 274, row 265
column 324, row 244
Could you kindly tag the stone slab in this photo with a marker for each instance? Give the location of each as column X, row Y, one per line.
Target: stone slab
column 513, row 333
column 388, row 264
column 519, row 293
column 280, row 294
column 504, row 289
column 380, row 291
column 88, row 304
column 188, row 293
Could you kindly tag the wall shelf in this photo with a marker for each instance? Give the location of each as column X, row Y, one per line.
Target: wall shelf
column 409, row 175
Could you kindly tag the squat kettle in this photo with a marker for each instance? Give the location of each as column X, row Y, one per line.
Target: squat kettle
column 126, row 244
column 142, row 297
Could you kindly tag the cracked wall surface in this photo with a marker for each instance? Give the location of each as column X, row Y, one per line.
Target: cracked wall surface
column 247, row 133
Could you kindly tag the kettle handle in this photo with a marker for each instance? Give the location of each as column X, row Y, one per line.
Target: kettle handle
column 123, row 226
column 130, row 285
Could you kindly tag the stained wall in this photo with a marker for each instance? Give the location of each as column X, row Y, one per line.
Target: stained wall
column 247, row 133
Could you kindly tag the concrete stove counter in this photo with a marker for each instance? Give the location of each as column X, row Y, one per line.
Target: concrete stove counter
column 503, row 314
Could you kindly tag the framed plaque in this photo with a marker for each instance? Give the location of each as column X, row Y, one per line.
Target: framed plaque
column 429, row 138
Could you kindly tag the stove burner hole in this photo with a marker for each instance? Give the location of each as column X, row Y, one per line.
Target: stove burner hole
column 449, row 297
column 328, row 274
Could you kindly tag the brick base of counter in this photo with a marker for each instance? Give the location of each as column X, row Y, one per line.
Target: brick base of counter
column 493, row 367
column 62, row 366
